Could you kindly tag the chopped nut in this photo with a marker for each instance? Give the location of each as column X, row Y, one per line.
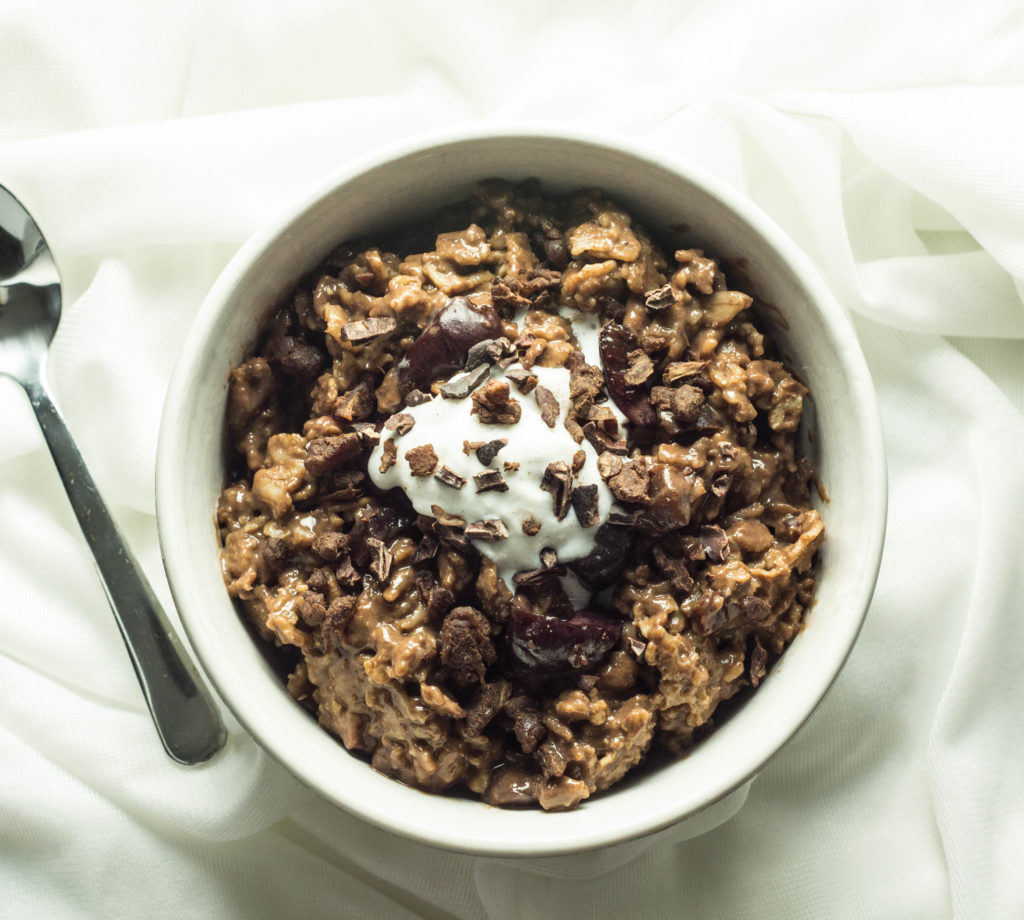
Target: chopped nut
column 524, row 380
column 365, row 330
column 382, row 559
column 490, row 481
column 445, row 519
column 660, row 298
column 548, row 557
column 325, row 454
column 401, row 423
column 417, row 398
column 578, row 459
column 388, row 455
column 640, row 367
column 511, row 466
column 422, row 460
column 488, row 531
column 679, row 370
column 357, row 405
column 493, row 404
column 548, row 404
column 531, row 526
column 469, row 446
column 609, row 464
column 631, row 482
column 450, row 478
column 330, row 546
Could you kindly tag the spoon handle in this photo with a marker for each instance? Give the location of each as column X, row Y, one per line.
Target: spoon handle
column 186, row 718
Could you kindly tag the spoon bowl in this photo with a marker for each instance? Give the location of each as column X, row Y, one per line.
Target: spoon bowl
column 185, row 716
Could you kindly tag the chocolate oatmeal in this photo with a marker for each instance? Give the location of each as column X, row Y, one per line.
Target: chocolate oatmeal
column 519, row 497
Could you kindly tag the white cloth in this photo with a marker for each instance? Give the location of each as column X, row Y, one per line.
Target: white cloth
column 150, row 138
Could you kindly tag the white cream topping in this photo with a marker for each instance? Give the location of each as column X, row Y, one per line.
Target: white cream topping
column 447, row 423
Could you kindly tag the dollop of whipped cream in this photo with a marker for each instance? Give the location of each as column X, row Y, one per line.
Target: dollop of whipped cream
column 451, row 428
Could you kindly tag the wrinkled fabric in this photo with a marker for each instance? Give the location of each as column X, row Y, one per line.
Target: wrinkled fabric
column 149, row 140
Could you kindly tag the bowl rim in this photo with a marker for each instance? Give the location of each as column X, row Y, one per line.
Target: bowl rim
column 833, row 316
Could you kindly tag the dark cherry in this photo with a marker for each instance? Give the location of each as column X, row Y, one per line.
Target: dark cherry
column 602, row 565
column 385, row 524
column 552, row 645
column 615, row 343
column 440, row 350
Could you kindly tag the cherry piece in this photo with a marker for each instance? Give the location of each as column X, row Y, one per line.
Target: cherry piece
column 615, row 343
column 441, row 349
column 548, row 644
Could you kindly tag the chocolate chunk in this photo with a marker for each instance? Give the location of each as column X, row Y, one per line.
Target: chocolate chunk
column 756, row 609
column 382, row 559
column 461, row 385
column 486, row 704
column 339, row 614
column 511, row 466
column 388, row 455
column 417, row 398
column 425, row 549
column 485, row 453
column 450, row 478
column 660, row 298
column 558, row 481
column 311, row 608
column 422, row 460
column 531, row 526
column 601, row 442
column 489, row 531
column 584, row 503
column 346, row 574
column 715, row 543
column 342, row 485
column 295, row 357
column 493, row 404
column 661, row 398
column 543, row 575
column 548, row 557
column 631, row 482
column 400, row 423
column 365, row 330
column 686, row 404
column 609, row 464
column 523, row 379
column 369, row 435
column 489, row 351
column 758, row 663
column 680, row 370
column 466, row 647
column 640, row 367
column 490, row 481
column 330, row 546
column 578, row 459
column 621, row 516
column 528, row 725
column 596, row 413
column 274, row 554
column 548, row 405
column 324, row 454
column 357, row 405
column 447, row 520
column 317, row 581
column 674, row 569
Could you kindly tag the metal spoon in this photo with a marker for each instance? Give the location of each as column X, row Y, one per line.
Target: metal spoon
column 185, row 716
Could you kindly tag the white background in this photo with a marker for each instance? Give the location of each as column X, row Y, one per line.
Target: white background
column 149, row 139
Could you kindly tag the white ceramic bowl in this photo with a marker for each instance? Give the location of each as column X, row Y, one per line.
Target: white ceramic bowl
column 411, row 180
